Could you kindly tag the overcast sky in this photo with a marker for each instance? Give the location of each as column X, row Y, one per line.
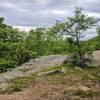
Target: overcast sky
column 44, row 13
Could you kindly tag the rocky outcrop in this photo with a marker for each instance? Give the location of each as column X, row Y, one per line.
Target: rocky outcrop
column 39, row 63
column 32, row 66
column 43, row 62
column 96, row 58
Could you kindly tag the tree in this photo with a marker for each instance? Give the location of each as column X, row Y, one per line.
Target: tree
column 75, row 26
column 54, row 42
column 10, row 40
column 35, row 40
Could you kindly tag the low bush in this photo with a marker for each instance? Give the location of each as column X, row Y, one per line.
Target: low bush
column 6, row 64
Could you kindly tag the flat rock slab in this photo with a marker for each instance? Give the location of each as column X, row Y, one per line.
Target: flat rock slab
column 32, row 66
column 44, row 61
column 96, row 58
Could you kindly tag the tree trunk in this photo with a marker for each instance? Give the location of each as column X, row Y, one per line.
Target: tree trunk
column 78, row 46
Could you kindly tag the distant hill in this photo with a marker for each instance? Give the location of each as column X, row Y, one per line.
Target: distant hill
column 95, row 42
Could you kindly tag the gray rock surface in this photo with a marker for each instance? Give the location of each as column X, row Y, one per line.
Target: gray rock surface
column 96, row 58
column 32, row 66
column 43, row 62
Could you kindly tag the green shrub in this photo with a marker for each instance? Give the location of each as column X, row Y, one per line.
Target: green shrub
column 25, row 55
column 6, row 64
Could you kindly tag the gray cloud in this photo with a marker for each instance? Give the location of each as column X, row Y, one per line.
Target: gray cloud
column 35, row 12
column 42, row 13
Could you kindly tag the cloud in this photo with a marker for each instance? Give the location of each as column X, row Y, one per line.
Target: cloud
column 89, row 34
column 59, row 12
column 43, row 2
column 92, row 14
column 34, row 12
column 24, row 28
column 53, row 12
column 42, row 13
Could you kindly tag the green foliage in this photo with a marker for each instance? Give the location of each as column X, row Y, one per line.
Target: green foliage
column 17, row 47
column 35, row 40
column 24, row 55
column 95, row 43
column 10, row 41
column 6, row 64
column 45, row 42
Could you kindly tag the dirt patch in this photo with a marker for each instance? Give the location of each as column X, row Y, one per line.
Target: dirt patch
column 54, row 88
